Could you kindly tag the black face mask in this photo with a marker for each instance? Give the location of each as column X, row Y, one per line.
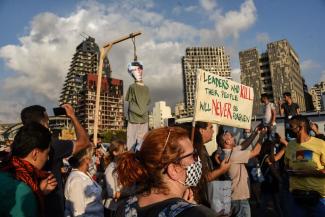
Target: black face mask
column 294, row 133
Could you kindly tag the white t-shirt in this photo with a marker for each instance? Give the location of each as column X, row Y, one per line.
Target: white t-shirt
column 83, row 196
column 112, row 186
column 267, row 111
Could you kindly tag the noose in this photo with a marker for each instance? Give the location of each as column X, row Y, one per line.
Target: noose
column 134, row 49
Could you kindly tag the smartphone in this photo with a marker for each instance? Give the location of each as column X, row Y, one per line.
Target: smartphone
column 226, row 155
column 229, row 156
column 59, row 111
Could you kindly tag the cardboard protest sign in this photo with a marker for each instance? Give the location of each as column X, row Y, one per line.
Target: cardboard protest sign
column 220, row 100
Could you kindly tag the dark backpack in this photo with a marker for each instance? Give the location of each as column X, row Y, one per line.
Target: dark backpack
column 172, row 210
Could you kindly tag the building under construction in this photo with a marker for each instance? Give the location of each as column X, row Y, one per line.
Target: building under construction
column 80, row 90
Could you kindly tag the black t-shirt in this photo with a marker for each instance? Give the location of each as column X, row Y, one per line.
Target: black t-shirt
column 320, row 136
column 290, row 110
column 154, row 209
column 54, row 202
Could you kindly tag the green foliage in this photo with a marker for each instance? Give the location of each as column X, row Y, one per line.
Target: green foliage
column 109, row 135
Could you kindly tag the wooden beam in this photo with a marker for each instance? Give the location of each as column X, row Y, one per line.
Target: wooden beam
column 103, row 53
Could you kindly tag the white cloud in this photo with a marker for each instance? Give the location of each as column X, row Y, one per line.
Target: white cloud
column 322, row 77
column 227, row 24
column 263, row 38
column 311, row 71
column 9, row 109
column 41, row 60
column 308, row 65
column 233, row 22
column 179, row 9
column 208, row 5
column 235, row 73
column 191, row 8
column 171, row 30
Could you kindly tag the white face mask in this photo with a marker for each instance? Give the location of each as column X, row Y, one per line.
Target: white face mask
column 193, row 174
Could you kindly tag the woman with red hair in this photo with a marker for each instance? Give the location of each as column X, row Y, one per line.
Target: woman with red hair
column 163, row 171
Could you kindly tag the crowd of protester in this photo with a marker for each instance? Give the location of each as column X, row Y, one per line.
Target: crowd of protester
column 168, row 174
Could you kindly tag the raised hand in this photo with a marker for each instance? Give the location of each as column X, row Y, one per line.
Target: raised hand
column 69, row 110
column 49, row 184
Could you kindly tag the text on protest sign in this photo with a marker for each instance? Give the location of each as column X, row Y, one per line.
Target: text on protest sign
column 220, row 100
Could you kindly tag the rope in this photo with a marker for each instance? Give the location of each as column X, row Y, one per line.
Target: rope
column 134, row 49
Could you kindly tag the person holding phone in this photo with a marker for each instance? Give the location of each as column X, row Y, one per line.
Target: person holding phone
column 237, row 171
column 59, row 111
column 59, row 149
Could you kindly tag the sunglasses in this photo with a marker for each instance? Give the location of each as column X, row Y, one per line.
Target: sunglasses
column 177, row 160
column 195, row 155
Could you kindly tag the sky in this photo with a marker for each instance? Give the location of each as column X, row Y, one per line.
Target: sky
column 38, row 39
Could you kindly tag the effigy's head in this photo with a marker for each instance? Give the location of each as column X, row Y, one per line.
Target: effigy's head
column 135, row 69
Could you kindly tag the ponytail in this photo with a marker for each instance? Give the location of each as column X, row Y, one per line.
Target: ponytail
column 130, row 170
column 146, row 167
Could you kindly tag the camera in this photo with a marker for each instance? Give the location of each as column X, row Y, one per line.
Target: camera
column 59, row 111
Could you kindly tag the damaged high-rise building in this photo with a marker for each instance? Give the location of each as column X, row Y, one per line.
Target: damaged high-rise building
column 80, row 89
column 211, row 59
column 273, row 72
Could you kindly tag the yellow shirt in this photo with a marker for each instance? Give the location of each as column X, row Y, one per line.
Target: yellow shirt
column 309, row 155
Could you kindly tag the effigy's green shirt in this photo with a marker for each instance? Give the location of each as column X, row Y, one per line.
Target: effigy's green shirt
column 139, row 99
